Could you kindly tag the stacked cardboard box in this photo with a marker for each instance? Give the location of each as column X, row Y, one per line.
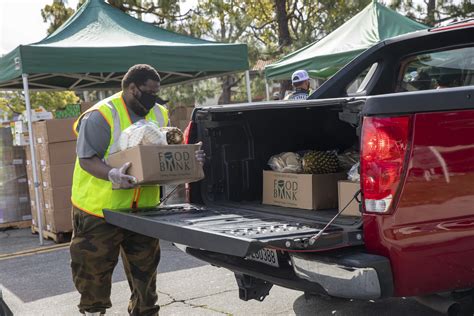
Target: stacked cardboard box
column 180, row 117
column 31, row 189
column 14, row 199
column 56, row 154
column 86, row 105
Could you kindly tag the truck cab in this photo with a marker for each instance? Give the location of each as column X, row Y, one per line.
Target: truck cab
column 406, row 107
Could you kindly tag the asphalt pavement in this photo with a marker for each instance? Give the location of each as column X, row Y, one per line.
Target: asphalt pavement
column 37, row 281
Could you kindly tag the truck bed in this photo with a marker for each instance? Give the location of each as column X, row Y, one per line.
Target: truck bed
column 321, row 216
column 238, row 232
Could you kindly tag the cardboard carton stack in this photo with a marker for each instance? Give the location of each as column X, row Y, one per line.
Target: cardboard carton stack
column 181, row 116
column 31, row 189
column 19, row 133
column 14, row 199
column 56, row 154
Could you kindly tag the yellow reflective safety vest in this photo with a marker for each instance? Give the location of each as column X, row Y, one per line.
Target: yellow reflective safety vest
column 91, row 194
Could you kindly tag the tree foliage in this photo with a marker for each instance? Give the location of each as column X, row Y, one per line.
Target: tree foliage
column 14, row 102
column 56, row 14
column 271, row 28
column 434, row 12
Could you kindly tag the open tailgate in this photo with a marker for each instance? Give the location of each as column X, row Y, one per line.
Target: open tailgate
column 230, row 231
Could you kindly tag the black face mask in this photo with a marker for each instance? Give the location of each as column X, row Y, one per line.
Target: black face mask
column 147, row 100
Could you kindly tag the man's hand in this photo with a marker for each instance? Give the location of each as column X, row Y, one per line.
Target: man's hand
column 120, row 179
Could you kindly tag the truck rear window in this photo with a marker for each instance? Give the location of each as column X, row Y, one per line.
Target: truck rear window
column 438, row 70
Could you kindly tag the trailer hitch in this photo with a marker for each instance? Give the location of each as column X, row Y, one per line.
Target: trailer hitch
column 251, row 288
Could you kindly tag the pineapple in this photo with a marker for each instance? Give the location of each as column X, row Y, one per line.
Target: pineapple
column 318, row 162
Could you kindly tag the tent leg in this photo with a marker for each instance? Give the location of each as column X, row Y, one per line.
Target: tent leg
column 247, row 81
column 101, row 94
column 33, row 157
column 267, row 90
column 86, row 96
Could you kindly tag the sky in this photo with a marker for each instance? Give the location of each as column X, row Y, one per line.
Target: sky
column 21, row 22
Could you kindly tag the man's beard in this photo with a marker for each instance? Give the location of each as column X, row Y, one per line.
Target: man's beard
column 138, row 109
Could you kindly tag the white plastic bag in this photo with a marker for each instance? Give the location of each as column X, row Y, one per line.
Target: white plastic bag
column 142, row 132
column 287, row 162
column 353, row 174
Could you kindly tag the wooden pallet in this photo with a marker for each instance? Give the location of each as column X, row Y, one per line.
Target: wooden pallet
column 58, row 238
column 19, row 224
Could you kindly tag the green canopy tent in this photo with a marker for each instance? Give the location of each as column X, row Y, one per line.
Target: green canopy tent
column 325, row 57
column 95, row 47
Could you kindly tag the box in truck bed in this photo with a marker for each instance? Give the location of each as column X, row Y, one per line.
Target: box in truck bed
column 305, row 191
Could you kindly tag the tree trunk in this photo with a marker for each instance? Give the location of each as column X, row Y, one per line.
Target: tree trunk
column 430, row 10
column 284, row 37
column 227, row 83
column 284, row 85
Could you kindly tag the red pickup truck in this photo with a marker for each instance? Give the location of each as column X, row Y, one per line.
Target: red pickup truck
column 407, row 106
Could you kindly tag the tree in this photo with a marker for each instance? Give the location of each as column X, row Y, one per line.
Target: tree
column 14, row 102
column 434, row 12
column 271, row 28
column 56, row 14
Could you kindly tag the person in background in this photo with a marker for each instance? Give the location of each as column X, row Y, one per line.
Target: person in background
column 96, row 245
column 300, row 81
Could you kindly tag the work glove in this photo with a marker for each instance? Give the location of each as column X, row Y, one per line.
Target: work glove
column 200, row 156
column 120, row 179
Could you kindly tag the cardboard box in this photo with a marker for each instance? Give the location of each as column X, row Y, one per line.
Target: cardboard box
column 182, row 113
column 20, row 127
column 13, row 208
column 56, row 176
column 304, row 191
column 54, row 131
column 29, row 172
column 39, row 114
column 34, row 221
column 346, row 190
column 86, row 106
column 21, row 140
column 56, row 153
column 168, row 164
column 57, row 198
column 59, row 220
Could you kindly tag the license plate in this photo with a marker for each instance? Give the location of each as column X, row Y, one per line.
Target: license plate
column 267, row 256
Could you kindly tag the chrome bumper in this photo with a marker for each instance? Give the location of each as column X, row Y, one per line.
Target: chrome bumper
column 337, row 280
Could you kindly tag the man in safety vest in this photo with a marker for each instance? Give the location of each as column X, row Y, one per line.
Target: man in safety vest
column 95, row 244
column 300, row 81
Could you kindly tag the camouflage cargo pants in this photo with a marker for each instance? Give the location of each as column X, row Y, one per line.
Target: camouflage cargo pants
column 95, row 248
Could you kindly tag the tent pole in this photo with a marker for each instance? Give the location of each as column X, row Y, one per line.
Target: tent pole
column 247, row 81
column 267, row 89
column 33, row 157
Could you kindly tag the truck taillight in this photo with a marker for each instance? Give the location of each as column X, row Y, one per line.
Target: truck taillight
column 187, row 131
column 383, row 153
